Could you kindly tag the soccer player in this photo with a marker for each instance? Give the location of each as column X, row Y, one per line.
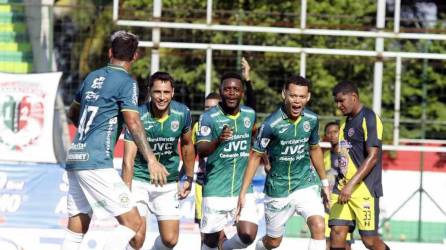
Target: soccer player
column 290, row 136
column 331, row 131
column 355, row 199
column 210, row 101
column 166, row 123
column 107, row 98
column 224, row 136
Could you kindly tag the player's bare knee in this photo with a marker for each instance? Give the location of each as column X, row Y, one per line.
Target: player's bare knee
column 138, row 240
column 211, row 240
column 246, row 237
column 272, row 243
column 317, row 226
column 369, row 242
column 170, row 240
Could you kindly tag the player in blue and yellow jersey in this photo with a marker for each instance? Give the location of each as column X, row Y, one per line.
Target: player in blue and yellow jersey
column 331, row 156
column 355, row 199
column 290, row 137
column 107, row 99
column 224, row 137
column 167, row 124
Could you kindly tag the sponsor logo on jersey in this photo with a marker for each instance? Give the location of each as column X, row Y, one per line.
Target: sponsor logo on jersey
column 205, row 130
column 264, row 142
column 90, row 95
column 351, row 132
column 124, row 199
column 307, row 126
column 175, row 125
column 283, row 130
column 98, row 82
column 247, row 122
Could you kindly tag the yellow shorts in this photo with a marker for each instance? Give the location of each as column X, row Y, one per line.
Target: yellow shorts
column 198, row 202
column 360, row 211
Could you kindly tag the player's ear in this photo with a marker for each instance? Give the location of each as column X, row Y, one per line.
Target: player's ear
column 173, row 92
column 135, row 55
column 110, row 53
column 308, row 97
column 283, row 94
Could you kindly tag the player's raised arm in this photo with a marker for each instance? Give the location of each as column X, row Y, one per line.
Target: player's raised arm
column 157, row 171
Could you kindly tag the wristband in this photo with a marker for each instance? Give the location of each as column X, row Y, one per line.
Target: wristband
column 324, row 182
column 189, row 179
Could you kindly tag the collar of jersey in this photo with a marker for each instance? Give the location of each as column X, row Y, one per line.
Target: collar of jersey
column 233, row 117
column 117, row 67
column 162, row 119
column 285, row 116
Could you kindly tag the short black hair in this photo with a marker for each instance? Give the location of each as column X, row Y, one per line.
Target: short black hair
column 230, row 75
column 332, row 123
column 213, row 95
column 345, row 87
column 123, row 45
column 162, row 76
column 297, row 80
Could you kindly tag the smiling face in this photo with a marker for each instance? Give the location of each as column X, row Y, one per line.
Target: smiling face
column 231, row 91
column 161, row 94
column 295, row 97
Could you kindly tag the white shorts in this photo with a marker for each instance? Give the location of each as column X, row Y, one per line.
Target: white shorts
column 100, row 191
column 162, row 201
column 220, row 211
column 305, row 202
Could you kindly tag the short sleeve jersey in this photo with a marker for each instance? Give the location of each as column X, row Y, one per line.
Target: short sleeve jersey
column 356, row 135
column 163, row 136
column 288, row 144
column 103, row 95
column 226, row 165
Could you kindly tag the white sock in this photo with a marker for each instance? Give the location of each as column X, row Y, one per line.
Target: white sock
column 159, row 245
column 234, row 243
column 119, row 238
column 205, row 247
column 260, row 245
column 317, row 244
column 72, row 240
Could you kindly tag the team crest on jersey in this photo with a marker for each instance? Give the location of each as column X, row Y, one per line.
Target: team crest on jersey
column 205, row 130
column 351, row 132
column 264, row 142
column 247, row 122
column 175, row 125
column 345, row 144
column 307, row 126
column 124, row 199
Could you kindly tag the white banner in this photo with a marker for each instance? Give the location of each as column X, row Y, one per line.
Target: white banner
column 26, row 116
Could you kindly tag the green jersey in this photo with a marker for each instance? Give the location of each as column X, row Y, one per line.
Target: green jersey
column 226, row 166
column 288, row 146
column 104, row 94
column 162, row 135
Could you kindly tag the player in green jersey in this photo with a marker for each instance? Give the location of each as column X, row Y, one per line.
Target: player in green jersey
column 224, row 137
column 355, row 199
column 107, row 98
column 290, row 136
column 167, row 124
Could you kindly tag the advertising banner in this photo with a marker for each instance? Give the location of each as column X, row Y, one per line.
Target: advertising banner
column 26, row 116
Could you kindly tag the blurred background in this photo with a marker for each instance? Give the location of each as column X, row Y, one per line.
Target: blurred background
column 394, row 50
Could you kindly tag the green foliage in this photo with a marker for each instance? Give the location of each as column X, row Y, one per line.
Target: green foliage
column 270, row 70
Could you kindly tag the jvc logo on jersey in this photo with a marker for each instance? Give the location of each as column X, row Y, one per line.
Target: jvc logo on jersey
column 293, row 149
column 161, row 147
column 236, row 146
